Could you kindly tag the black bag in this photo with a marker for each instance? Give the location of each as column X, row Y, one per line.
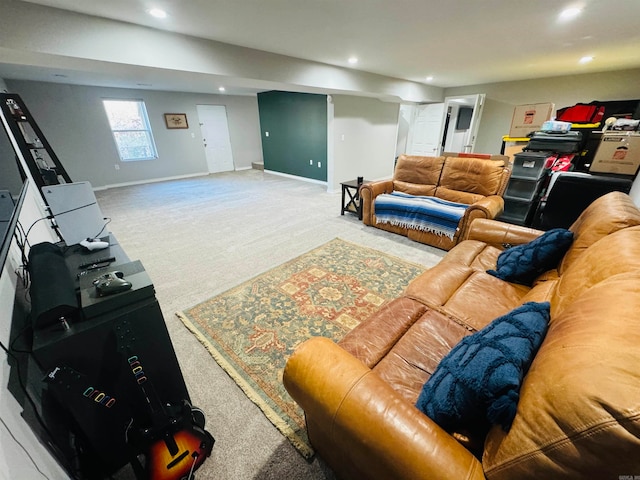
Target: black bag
column 569, row 142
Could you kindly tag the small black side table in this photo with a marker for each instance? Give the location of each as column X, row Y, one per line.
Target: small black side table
column 351, row 198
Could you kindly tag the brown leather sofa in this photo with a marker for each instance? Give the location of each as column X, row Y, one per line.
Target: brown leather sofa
column 478, row 182
column 578, row 416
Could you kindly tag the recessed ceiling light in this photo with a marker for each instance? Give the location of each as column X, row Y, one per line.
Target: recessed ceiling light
column 158, row 13
column 586, row 59
column 353, row 60
column 570, row 13
column 221, row 89
column 429, row 78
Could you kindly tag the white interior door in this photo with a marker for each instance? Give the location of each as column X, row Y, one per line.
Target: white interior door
column 215, row 137
column 425, row 133
column 461, row 140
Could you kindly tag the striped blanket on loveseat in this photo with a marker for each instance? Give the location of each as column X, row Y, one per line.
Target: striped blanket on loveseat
column 429, row 214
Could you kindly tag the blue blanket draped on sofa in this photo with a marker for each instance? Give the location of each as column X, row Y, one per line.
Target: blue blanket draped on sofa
column 429, row 214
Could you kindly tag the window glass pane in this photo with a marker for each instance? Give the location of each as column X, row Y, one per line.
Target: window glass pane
column 131, row 129
column 133, row 145
column 124, row 115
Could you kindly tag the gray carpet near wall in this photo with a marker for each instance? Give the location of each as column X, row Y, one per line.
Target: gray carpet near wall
column 200, row 236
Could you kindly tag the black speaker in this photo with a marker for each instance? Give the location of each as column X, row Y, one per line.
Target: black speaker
column 53, row 295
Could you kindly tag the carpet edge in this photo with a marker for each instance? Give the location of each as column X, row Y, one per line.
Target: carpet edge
column 300, row 445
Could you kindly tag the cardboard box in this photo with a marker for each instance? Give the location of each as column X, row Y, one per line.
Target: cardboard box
column 529, row 118
column 618, row 152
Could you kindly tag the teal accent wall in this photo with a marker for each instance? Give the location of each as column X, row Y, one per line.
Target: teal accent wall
column 297, row 133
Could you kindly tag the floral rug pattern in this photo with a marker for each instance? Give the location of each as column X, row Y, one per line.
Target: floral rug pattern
column 251, row 329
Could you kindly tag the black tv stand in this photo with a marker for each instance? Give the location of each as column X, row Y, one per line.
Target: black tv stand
column 93, row 378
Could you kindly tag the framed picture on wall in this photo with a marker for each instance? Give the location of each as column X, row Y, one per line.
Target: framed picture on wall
column 176, row 120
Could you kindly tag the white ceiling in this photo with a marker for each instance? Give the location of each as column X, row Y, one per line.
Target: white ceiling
column 458, row 42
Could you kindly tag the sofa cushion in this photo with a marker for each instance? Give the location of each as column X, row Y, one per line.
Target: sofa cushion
column 415, row 356
column 414, row 188
column 472, row 175
column 614, row 254
column 480, row 377
column 605, row 215
column 371, row 340
column 470, row 297
column 579, row 409
column 458, row 196
column 418, row 170
column 523, row 263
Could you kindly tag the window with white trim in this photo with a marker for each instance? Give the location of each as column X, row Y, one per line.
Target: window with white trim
column 131, row 129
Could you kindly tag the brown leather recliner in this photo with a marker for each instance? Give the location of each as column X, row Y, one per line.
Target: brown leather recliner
column 578, row 416
column 477, row 182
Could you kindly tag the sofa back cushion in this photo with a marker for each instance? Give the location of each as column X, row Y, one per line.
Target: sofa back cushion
column 605, row 215
column 418, row 170
column 616, row 253
column 467, row 180
column 579, row 410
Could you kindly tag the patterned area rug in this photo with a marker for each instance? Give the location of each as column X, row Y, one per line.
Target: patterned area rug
column 252, row 329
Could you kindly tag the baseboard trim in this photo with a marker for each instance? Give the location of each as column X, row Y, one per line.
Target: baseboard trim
column 150, row 180
column 296, row 177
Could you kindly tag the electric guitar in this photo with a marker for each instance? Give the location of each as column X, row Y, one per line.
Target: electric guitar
column 175, row 444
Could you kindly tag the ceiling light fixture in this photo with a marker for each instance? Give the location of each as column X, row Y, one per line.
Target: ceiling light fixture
column 221, row 89
column 586, row 59
column 353, row 60
column 158, row 13
column 429, row 78
column 569, row 13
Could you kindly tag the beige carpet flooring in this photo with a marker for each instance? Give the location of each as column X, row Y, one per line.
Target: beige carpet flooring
column 200, row 236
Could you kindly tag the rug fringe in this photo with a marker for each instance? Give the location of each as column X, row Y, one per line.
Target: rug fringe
column 302, row 446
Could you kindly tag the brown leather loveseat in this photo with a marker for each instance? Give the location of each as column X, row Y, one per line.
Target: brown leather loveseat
column 578, row 414
column 477, row 182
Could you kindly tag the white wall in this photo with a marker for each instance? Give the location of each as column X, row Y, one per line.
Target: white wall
column 405, row 121
column 22, row 456
column 364, row 135
column 74, row 122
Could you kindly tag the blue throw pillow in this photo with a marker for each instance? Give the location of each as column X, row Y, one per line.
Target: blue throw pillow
column 522, row 264
column 478, row 381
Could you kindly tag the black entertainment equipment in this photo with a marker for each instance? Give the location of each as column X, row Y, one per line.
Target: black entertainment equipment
column 112, row 388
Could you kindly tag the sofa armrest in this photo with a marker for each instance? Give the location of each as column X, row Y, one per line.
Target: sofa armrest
column 368, row 193
column 500, row 234
column 487, row 207
column 365, row 429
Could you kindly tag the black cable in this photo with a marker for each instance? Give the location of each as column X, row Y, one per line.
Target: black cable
column 108, row 221
column 20, row 333
column 26, row 237
column 22, row 243
column 74, row 209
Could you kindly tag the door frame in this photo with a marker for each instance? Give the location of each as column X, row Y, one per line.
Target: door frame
column 476, row 101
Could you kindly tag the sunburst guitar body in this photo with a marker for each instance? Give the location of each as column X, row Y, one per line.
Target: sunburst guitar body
column 179, row 455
